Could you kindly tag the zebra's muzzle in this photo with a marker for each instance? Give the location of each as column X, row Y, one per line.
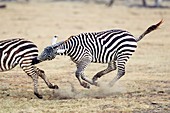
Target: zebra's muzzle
column 47, row 54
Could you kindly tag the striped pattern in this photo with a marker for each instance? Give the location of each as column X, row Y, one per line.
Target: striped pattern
column 20, row 51
column 102, row 47
column 17, row 51
column 111, row 46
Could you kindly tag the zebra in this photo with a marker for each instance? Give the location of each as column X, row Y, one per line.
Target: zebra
column 20, row 51
column 112, row 46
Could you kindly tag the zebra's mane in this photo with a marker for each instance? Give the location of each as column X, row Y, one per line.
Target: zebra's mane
column 98, row 33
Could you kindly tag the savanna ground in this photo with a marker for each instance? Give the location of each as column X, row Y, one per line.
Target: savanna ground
column 144, row 88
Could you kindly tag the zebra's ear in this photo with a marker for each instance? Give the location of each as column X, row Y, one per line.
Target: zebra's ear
column 61, row 51
column 54, row 40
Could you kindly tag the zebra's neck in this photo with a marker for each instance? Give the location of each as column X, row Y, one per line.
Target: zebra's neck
column 64, row 46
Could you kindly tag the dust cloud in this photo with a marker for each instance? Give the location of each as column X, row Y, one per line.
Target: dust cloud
column 70, row 92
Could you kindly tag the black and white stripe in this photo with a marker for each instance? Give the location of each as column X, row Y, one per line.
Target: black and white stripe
column 17, row 51
column 102, row 47
column 111, row 46
column 20, row 51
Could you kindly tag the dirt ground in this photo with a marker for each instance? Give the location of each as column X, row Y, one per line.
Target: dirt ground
column 144, row 88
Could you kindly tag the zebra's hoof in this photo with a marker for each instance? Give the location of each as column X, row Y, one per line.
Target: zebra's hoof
column 96, row 84
column 56, row 87
column 53, row 86
column 85, row 85
column 94, row 79
column 38, row 95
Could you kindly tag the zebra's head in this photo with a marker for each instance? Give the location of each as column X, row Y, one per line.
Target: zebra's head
column 50, row 52
column 47, row 54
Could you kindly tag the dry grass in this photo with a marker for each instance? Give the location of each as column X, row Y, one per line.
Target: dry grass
column 144, row 88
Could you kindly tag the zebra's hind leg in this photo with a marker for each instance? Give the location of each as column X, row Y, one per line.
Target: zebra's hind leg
column 41, row 73
column 120, row 73
column 80, row 72
column 111, row 67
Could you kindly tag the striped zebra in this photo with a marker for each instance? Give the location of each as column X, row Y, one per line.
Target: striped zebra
column 112, row 46
column 20, row 51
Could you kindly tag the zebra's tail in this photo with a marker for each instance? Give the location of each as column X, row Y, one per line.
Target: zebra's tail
column 150, row 29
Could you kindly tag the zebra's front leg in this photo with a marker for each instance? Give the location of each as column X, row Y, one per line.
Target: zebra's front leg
column 35, row 80
column 80, row 72
column 79, row 75
column 30, row 71
column 41, row 73
column 111, row 67
column 34, row 77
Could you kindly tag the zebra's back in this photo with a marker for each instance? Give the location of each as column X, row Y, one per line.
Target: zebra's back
column 16, row 51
